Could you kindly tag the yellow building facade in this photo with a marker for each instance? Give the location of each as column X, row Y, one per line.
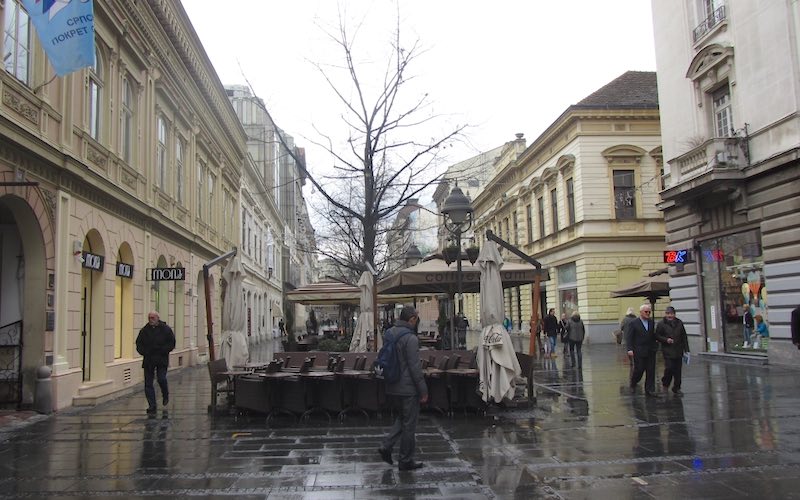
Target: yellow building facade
column 581, row 199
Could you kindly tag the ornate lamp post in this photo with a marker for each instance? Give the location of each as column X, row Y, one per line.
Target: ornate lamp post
column 457, row 211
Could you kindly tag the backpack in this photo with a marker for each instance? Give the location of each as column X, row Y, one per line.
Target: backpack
column 387, row 365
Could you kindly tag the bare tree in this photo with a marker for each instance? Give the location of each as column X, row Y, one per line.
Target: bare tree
column 385, row 160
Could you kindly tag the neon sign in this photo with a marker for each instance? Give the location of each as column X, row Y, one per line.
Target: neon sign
column 714, row 255
column 676, row 256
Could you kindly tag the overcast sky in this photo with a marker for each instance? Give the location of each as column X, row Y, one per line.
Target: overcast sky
column 502, row 67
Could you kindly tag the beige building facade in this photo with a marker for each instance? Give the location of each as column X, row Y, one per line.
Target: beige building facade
column 728, row 76
column 108, row 173
column 581, row 199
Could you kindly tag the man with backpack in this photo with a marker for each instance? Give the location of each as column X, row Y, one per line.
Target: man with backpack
column 405, row 387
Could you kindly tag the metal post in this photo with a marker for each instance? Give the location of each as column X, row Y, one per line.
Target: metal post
column 535, row 313
column 453, row 335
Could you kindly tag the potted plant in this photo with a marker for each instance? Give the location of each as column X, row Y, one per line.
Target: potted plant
column 451, row 253
column 472, row 253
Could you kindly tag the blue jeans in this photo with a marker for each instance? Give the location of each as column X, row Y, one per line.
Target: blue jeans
column 160, row 373
column 404, row 427
column 552, row 339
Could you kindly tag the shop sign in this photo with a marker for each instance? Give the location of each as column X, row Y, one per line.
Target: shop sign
column 716, row 255
column 124, row 270
column 93, row 262
column 166, row 274
column 677, row 256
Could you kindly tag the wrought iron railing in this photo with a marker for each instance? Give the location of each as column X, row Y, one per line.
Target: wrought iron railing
column 11, row 363
column 708, row 23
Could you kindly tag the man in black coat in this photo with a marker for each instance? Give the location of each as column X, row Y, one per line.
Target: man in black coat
column 674, row 342
column 640, row 340
column 155, row 341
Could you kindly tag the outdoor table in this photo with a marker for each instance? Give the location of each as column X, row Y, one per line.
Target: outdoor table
column 275, row 380
column 464, row 383
column 250, row 367
column 311, row 381
column 352, row 390
column 429, row 342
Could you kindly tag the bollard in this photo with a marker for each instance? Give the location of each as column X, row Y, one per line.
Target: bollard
column 43, row 395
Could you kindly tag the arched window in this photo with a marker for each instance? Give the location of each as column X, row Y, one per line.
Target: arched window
column 161, row 153
column 126, row 121
column 17, row 41
column 95, row 96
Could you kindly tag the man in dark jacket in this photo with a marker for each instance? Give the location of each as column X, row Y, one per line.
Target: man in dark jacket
column 640, row 339
column 407, row 393
column 674, row 342
column 155, row 341
column 551, row 330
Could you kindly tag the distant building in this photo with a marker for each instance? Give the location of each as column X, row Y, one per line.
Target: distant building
column 581, row 199
column 727, row 79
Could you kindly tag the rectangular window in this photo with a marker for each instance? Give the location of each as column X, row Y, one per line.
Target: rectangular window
column 508, row 230
column 16, row 43
column 529, row 221
column 567, row 288
column 516, row 229
column 126, row 121
column 571, row 201
column 201, row 175
column 554, row 209
column 179, row 171
column 244, row 227
column 211, row 182
column 624, row 194
column 161, row 154
column 723, row 116
column 540, row 203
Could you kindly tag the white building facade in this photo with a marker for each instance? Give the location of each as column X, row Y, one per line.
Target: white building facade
column 729, row 87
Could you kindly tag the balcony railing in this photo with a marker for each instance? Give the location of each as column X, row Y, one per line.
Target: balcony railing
column 714, row 19
column 719, row 153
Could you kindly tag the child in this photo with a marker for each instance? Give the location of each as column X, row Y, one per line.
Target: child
column 762, row 330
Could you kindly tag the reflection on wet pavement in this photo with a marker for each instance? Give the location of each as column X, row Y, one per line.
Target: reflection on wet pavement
column 734, row 433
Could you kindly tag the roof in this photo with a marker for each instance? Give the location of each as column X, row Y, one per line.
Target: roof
column 632, row 89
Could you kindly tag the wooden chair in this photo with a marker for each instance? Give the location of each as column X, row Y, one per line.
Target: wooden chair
column 221, row 381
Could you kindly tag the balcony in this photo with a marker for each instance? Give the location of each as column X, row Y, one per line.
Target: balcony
column 709, row 166
column 715, row 19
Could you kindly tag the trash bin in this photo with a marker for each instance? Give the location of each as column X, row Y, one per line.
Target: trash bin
column 43, row 392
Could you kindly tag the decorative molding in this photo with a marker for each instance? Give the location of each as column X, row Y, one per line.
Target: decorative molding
column 96, row 157
column 127, row 178
column 22, row 106
column 49, row 198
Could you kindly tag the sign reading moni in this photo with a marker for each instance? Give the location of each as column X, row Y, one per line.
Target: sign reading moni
column 166, row 274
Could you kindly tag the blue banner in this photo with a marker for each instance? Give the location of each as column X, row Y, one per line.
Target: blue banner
column 66, row 32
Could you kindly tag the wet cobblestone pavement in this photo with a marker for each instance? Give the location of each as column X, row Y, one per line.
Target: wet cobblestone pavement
column 734, row 434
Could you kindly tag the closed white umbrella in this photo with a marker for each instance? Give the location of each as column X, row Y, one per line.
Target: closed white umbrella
column 365, row 316
column 497, row 361
column 234, row 344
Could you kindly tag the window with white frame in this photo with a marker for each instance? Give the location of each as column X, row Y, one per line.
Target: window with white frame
column 161, row 153
column 212, row 180
column 201, row 175
column 17, row 41
column 179, row 171
column 540, row 206
column 723, row 115
column 95, row 96
column 244, row 229
column 126, row 121
column 624, row 194
column 570, row 201
column 554, row 209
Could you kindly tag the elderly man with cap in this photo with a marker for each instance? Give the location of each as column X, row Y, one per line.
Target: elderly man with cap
column 674, row 342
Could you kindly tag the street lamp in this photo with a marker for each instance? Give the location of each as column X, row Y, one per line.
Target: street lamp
column 413, row 256
column 457, row 211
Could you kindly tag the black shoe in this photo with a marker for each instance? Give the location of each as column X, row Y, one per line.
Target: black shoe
column 405, row 466
column 651, row 394
column 165, row 401
column 151, row 409
column 677, row 392
column 386, row 455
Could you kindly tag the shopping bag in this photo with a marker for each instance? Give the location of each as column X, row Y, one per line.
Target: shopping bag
column 687, row 358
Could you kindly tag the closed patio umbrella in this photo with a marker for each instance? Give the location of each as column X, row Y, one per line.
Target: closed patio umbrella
column 365, row 316
column 234, row 344
column 497, row 362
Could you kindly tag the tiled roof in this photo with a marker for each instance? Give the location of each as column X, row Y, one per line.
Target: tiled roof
column 633, row 89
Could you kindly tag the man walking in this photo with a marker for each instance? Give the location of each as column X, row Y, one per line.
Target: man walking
column 155, row 341
column 674, row 342
column 551, row 330
column 640, row 340
column 407, row 393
